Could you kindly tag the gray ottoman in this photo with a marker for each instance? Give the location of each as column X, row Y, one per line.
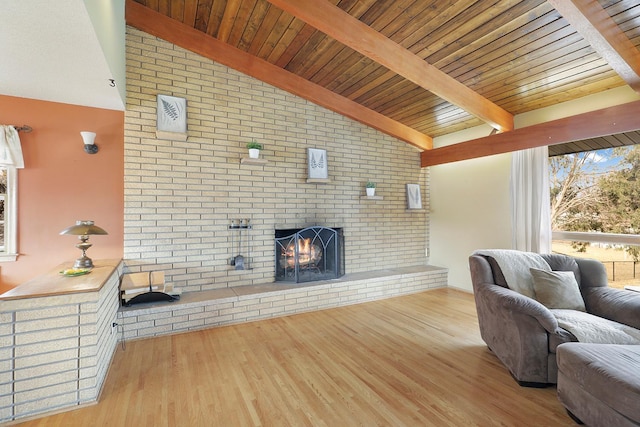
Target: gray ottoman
column 599, row 384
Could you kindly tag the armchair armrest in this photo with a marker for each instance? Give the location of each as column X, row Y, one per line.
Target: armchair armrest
column 524, row 305
column 619, row 305
column 592, row 273
column 517, row 329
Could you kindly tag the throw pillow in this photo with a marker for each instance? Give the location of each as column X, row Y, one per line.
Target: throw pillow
column 557, row 289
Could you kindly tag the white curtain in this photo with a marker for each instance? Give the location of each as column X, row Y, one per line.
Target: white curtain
column 10, row 148
column 530, row 210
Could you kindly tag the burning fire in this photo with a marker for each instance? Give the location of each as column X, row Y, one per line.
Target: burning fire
column 308, row 254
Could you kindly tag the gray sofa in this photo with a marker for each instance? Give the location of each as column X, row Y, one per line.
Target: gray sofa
column 523, row 333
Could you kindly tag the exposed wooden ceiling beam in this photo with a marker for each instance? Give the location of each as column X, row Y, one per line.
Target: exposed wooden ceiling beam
column 353, row 33
column 198, row 42
column 607, row 121
column 595, row 25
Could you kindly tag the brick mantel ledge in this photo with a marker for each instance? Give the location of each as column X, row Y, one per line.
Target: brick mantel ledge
column 206, row 309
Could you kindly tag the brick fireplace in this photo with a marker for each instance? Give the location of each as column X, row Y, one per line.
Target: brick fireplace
column 310, row 254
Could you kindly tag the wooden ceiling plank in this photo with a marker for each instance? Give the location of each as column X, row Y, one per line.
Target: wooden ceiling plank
column 574, row 90
column 255, row 32
column 410, row 21
column 579, row 84
column 309, row 53
column 612, row 142
column 360, row 37
column 544, row 35
column 625, row 139
column 229, row 17
column 242, row 21
column 289, row 47
column 177, row 11
column 278, row 42
column 500, row 29
column 596, row 26
column 527, row 80
column 382, row 14
column 215, row 18
column 468, row 22
column 523, row 60
column 190, row 12
column 164, row 7
column 203, row 13
column 606, row 121
column 191, row 39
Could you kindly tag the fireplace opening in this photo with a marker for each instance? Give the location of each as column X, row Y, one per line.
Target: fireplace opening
column 309, row 254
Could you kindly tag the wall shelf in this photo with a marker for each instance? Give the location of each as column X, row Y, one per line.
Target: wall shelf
column 371, row 198
column 250, row 161
column 172, row 136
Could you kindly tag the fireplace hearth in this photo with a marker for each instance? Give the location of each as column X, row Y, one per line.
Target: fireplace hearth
column 309, row 254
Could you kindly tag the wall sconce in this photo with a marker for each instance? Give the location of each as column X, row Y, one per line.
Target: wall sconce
column 89, row 138
column 83, row 229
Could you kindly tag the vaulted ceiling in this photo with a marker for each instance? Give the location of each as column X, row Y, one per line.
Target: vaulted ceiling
column 418, row 69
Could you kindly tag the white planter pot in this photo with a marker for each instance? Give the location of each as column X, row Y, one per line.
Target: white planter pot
column 371, row 192
column 254, row 153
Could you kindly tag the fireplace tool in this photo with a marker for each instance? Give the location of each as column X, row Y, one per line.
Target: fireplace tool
column 239, row 260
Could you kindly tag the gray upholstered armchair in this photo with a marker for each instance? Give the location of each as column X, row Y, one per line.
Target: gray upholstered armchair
column 523, row 333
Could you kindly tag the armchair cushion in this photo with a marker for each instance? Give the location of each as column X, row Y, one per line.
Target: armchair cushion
column 557, row 289
column 593, row 329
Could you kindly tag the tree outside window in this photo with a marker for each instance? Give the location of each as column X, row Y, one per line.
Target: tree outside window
column 598, row 192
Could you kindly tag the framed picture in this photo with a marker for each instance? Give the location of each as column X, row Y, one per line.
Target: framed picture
column 172, row 114
column 414, row 198
column 318, row 168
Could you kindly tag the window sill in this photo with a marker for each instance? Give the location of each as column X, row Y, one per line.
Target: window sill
column 8, row 257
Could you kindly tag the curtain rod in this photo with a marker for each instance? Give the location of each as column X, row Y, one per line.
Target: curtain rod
column 23, row 128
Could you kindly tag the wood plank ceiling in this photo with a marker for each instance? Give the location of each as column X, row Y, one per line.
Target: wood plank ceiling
column 434, row 66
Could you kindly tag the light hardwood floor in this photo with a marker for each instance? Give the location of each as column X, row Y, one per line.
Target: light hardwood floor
column 415, row 360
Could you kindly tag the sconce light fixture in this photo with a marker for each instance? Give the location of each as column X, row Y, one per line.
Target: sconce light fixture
column 83, row 229
column 89, row 146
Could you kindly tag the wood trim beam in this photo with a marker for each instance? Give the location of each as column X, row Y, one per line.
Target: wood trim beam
column 355, row 34
column 198, row 42
column 595, row 25
column 607, row 121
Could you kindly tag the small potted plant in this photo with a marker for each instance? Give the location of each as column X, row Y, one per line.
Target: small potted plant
column 371, row 188
column 254, row 149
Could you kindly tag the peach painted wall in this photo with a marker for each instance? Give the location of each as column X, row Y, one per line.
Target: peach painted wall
column 61, row 184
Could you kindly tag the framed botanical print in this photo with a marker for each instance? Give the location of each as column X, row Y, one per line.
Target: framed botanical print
column 172, row 114
column 318, row 167
column 414, row 198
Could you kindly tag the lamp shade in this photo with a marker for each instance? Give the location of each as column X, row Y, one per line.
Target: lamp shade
column 88, row 137
column 83, row 228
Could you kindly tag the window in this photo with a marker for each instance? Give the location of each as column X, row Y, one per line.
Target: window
column 8, row 213
column 595, row 209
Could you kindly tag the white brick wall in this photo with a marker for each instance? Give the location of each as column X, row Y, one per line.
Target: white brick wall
column 180, row 196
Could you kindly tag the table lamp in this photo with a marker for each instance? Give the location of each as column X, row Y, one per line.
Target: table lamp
column 83, row 229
